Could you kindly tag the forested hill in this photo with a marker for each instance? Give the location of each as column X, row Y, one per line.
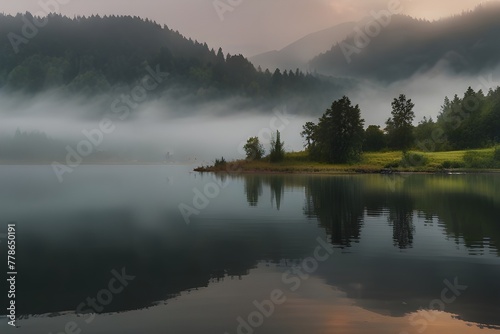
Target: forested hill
column 95, row 54
column 466, row 44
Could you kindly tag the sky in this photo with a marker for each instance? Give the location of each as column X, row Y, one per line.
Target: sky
column 248, row 27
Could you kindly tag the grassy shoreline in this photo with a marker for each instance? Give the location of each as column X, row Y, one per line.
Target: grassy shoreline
column 371, row 163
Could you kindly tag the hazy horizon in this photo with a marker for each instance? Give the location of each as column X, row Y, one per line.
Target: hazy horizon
column 280, row 22
column 174, row 113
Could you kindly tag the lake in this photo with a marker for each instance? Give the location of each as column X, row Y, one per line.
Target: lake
column 161, row 249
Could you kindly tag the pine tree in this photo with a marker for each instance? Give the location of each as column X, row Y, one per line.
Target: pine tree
column 277, row 153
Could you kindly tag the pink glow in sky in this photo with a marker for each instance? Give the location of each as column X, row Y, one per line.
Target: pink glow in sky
column 253, row 26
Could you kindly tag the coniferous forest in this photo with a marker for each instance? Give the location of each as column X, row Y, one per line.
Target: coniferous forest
column 96, row 55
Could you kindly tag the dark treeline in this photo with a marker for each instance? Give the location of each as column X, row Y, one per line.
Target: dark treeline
column 95, row 54
column 27, row 146
column 30, row 146
column 472, row 121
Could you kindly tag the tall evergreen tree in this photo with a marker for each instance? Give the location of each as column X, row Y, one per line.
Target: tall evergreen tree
column 277, row 153
column 339, row 134
column 400, row 125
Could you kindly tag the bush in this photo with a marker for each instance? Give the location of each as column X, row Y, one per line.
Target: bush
column 473, row 159
column 297, row 156
column 221, row 162
column 447, row 164
column 393, row 164
column 453, row 164
column 254, row 149
column 411, row 159
column 496, row 154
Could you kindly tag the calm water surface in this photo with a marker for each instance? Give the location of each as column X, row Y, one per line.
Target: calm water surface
column 159, row 249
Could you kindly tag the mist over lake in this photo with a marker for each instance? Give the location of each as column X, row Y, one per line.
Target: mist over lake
column 247, row 167
column 160, row 126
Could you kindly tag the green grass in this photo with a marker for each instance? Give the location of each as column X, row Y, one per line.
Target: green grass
column 298, row 162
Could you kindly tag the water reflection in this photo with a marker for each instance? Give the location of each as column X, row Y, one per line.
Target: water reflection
column 466, row 207
column 400, row 217
column 253, row 189
column 338, row 205
column 277, row 186
column 438, row 222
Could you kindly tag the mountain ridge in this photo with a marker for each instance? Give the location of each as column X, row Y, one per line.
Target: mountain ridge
column 461, row 44
column 101, row 55
column 300, row 52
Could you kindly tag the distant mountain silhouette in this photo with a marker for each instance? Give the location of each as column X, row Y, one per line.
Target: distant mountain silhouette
column 299, row 53
column 466, row 43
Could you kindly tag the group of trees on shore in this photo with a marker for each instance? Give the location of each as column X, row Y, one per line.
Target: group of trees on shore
column 463, row 123
column 255, row 150
column 339, row 136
